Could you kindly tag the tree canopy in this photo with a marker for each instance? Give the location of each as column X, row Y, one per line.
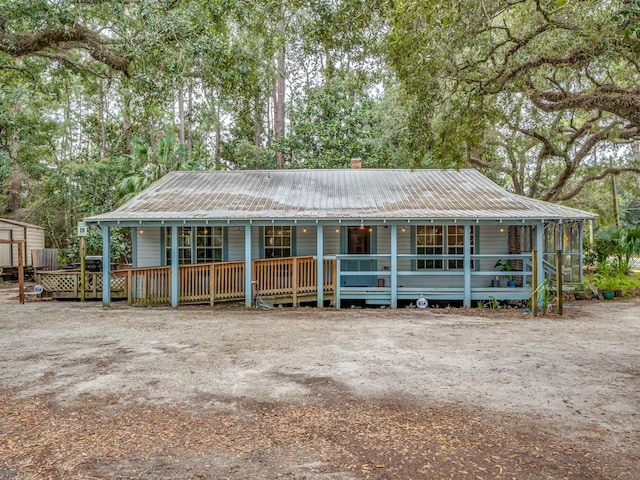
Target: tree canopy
column 100, row 97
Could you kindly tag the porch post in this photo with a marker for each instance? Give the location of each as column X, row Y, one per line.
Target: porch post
column 580, row 251
column 106, row 266
column 394, row 266
column 466, row 302
column 540, row 249
column 134, row 247
column 248, row 300
column 320, row 265
column 175, row 293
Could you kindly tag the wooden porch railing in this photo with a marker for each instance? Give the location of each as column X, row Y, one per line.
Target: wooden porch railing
column 200, row 283
column 293, row 276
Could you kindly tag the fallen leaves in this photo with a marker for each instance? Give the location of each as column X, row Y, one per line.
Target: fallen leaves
column 39, row 439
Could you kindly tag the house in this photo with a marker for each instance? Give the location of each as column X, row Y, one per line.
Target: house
column 31, row 238
column 375, row 236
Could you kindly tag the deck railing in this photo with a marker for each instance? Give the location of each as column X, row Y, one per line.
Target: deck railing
column 293, row 276
column 67, row 283
column 204, row 282
column 294, row 279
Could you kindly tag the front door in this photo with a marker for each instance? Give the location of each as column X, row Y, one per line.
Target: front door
column 359, row 243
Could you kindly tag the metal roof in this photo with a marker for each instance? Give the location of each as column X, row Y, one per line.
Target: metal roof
column 332, row 194
column 18, row 223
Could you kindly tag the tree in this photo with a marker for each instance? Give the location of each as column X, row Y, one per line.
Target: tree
column 472, row 63
column 62, row 32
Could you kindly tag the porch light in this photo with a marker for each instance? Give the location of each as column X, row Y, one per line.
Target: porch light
column 337, row 229
column 304, row 230
column 404, row 229
column 141, row 231
column 361, row 225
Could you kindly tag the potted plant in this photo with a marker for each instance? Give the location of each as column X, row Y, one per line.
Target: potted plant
column 607, row 286
column 506, row 266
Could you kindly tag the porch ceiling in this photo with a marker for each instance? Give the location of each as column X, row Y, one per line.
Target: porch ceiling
column 332, row 194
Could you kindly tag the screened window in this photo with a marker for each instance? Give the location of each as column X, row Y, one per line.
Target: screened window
column 196, row 245
column 277, row 242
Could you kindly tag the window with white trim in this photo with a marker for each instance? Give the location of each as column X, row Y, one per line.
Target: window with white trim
column 455, row 245
column 196, row 244
column 429, row 241
column 441, row 240
column 277, row 242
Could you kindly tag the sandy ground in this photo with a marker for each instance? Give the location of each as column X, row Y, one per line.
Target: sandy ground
column 318, row 394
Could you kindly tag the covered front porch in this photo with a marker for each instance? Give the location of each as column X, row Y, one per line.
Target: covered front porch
column 381, row 237
column 388, row 279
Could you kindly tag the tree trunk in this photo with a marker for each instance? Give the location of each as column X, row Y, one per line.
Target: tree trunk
column 257, row 122
column 15, row 180
column 126, row 122
column 278, row 100
column 181, row 113
column 189, row 110
column 102, row 119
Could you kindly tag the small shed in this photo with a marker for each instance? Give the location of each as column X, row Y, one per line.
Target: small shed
column 33, row 235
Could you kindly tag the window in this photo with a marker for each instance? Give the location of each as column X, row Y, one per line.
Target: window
column 455, row 245
column 429, row 241
column 196, row 245
column 438, row 240
column 277, row 242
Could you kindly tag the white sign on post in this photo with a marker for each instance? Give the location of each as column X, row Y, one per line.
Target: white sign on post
column 82, row 229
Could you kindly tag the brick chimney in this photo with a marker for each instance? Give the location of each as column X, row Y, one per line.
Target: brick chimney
column 356, row 163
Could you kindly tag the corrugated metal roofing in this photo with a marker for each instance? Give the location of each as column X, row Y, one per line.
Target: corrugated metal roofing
column 331, row 194
column 18, row 223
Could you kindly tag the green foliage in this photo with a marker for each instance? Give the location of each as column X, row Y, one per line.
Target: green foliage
column 120, row 246
column 340, row 120
column 544, row 295
column 521, row 90
column 146, row 165
column 614, row 249
column 615, row 282
column 492, row 303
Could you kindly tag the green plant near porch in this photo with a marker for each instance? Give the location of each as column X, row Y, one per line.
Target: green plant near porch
column 615, row 283
column 505, row 266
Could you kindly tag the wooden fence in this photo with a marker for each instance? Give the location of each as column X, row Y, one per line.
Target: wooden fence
column 66, row 284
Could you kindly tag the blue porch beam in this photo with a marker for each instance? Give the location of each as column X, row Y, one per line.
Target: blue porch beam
column 540, row 249
column 320, row 265
column 175, row 294
column 394, row 266
column 248, row 300
column 466, row 301
column 106, row 266
column 134, row 247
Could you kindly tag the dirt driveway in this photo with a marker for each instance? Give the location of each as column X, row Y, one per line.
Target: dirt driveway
column 87, row 392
